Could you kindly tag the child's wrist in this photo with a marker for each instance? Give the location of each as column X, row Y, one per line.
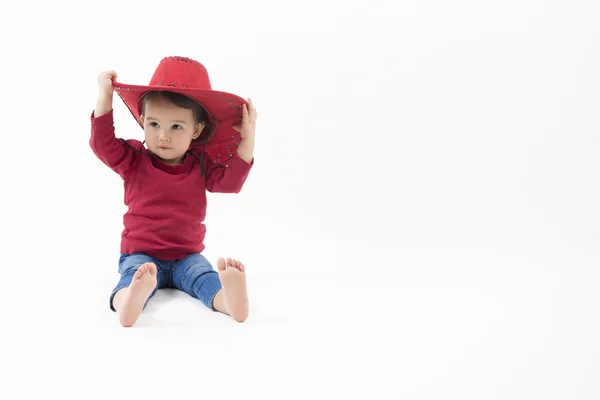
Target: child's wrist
column 103, row 105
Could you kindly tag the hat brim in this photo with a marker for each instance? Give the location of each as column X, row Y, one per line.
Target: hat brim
column 224, row 110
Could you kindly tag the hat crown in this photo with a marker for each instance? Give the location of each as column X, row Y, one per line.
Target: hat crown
column 181, row 72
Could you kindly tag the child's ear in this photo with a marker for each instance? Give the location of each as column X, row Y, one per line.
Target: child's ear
column 141, row 120
column 199, row 129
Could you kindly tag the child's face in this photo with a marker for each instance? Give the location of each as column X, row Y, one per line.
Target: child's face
column 169, row 129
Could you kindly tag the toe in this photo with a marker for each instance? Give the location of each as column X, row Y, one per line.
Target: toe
column 221, row 264
column 152, row 269
column 242, row 268
column 138, row 273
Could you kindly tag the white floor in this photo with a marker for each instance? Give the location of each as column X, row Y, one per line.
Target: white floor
column 431, row 325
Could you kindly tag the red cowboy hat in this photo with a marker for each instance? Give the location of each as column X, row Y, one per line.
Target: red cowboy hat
column 190, row 78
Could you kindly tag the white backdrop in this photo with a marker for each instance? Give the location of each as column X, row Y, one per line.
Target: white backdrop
column 421, row 222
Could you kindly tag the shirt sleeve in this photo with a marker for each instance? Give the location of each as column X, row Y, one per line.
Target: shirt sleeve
column 115, row 153
column 230, row 178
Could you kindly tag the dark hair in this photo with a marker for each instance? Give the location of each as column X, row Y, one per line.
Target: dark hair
column 180, row 100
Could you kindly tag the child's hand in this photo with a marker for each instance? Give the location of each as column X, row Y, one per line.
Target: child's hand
column 105, row 98
column 247, row 129
column 248, row 125
column 105, row 83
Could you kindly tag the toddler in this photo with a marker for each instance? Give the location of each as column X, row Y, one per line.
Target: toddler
column 196, row 140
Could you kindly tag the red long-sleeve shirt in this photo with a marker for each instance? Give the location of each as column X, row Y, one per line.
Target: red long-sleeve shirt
column 166, row 203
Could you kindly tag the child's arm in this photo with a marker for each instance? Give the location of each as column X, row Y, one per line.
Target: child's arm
column 113, row 152
column 231, row 178
column 227, row 179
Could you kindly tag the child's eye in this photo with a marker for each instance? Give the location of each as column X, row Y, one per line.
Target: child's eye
column 153, row 124
column 176, row 127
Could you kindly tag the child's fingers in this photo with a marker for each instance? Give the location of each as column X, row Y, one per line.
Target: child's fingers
column 252, row 110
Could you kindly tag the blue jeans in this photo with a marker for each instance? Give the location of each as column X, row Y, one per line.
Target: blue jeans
column 193, row 275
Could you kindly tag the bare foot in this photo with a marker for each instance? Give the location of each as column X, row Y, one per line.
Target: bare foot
column 143, row 283
column 233, row 280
